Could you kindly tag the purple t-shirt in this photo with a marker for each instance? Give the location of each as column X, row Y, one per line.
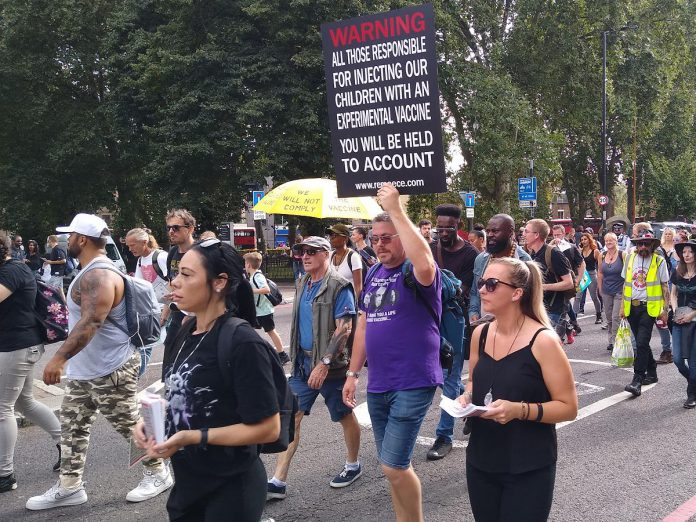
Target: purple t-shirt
column 402, row 339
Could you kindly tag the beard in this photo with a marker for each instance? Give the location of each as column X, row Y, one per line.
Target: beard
column 498, row 246
column 74, row 251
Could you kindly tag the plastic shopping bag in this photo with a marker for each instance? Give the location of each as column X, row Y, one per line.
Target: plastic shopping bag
column 622, row 354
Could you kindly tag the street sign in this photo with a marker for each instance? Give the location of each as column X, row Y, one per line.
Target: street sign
column 469, row 198
column 602, row 200
column 469, row 212
column 528, row 203
column 256, row 196
column 259, row 216
column 527, row 188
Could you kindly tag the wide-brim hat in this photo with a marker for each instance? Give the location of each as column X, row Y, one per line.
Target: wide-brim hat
column 646, row 235
column 679, row 248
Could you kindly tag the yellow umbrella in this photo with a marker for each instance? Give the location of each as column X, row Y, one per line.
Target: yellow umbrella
column 316, row 197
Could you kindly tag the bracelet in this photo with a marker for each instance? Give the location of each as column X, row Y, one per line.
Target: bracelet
column 526, row 411
column 540, row 412
column 521, row 417
column 203, row 444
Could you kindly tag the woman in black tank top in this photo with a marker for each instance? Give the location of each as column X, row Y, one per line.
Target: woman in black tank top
column 521, row 372
column 590, row 253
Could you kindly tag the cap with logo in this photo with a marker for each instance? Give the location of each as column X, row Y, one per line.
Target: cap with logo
column 340, row 229
column 87, row 225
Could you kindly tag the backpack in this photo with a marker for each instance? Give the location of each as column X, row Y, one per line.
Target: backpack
column 51, row 311
column 669, row 258
column 275, row 297
column 453, row 318
column 566, row 294
column 142, row 310
column 287, row 401
column 70, row 265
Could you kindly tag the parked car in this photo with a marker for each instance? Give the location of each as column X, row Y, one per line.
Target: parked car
column 659, row 226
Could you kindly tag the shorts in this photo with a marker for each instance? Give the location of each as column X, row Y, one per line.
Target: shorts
column 331, row 390
column 396, row 420
column 266, row 322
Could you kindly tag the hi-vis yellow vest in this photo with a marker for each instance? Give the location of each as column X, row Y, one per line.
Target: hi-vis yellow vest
column 653, row 288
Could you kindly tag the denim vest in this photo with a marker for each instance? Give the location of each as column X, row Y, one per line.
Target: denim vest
column 323, row 321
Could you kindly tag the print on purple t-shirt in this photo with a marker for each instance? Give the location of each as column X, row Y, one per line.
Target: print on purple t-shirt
column 401, row 338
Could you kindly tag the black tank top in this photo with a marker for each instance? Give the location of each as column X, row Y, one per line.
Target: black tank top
column 518, row 446
column 590, row 262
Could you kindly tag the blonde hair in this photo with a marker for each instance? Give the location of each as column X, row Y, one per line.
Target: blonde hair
column 541, row 227
column 611, row 235
column 143, row 234
column 527, row 276
column 254, row 259
column 667, row 229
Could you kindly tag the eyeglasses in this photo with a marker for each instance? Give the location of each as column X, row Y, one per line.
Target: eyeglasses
column 445, row 229
column 208, row 242
column 176, row 228
column 385, row 239
column 492, row 283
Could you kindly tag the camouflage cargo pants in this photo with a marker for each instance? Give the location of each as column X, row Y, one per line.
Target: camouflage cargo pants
column 114, row 396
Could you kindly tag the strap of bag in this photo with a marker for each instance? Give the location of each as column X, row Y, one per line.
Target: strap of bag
column 253, row 280
column 482, row 339
column 155, row 265
column 438, row 253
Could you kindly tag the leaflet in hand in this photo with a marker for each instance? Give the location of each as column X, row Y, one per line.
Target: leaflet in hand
column 152, row 408
column 457, row 410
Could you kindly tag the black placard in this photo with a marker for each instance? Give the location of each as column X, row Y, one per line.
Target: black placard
column 384, row 102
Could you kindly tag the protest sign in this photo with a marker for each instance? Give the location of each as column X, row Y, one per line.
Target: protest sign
column 384, row 103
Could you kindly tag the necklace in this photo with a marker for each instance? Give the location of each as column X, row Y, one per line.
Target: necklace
column 488, row 399
column 338, row 262
column 172, row 371
column 613, row 258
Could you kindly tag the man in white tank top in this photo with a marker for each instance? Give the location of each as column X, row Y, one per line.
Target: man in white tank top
column 102, row 369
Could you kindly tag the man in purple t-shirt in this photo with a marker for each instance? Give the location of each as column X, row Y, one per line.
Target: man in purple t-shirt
column 398, row 334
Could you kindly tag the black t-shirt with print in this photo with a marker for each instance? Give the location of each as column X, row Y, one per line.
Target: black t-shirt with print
column 554, row 301
column 686, row 290
column 57, row 253
column 199, row 397
column 19, row 327
column 460, row 263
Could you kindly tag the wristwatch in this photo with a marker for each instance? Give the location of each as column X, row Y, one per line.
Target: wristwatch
column 350, row 373
column 326, row 360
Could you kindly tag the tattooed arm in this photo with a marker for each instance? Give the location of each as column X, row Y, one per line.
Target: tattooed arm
column 96, row 296
column 337, row 344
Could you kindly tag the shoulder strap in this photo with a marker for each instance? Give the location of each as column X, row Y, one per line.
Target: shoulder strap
column 482, row 339
column 155, row 265
column 170, row 254
column 531, row 343
column 438, row 252
column 253, row 280
column 549, row 262
column 350, row 263
column 227, row 331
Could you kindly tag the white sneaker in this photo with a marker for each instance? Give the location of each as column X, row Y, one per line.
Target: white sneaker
column 58, row 496
column 152, row 485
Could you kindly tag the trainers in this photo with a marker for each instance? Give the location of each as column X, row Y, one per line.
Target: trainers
column 58, row 496
column 570, row 337
column 634, row 387
column 665, row 358
column 346, row 477
column 56, row 466
column 151, row 485
column 284, row 358
column 605, row 326
column 8, row 483
column 275, row 492
column 576, row 327
column 439, row 449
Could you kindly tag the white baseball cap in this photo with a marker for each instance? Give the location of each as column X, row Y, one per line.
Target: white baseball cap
column 87, row 225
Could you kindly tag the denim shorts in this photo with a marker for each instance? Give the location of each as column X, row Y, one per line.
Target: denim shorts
column 331, row 390
column 396, row 419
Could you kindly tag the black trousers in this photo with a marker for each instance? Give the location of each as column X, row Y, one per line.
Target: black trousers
column 242, row 499
column 507, row 497
column 642, row 326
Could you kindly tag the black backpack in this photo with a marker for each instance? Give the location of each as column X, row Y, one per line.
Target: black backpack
column 52, row 312
column 275, row 297
column 365, row 268
column 287, row 401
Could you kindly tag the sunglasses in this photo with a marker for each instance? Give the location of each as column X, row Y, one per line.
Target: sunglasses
column 445, row 229
column 492, row 283
column 309, row 251
column 385, row 239
column 643, row 243
column 176, row 228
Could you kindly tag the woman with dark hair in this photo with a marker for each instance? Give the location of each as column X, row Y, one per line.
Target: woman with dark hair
column 215, row 421
column 592, row 257
column 683, row 300
column 33, row 259
column 21, row 346
column 522, row 374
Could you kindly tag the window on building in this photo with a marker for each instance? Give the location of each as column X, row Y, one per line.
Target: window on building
column 561, row 214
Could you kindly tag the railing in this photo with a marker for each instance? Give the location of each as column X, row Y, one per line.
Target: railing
column 276, row 265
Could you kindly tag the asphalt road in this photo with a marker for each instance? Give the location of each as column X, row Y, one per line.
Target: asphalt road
column 621, row 460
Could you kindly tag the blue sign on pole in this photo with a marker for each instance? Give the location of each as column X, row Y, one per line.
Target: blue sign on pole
column 527, row 188
column 469, row 199
column 256, row 196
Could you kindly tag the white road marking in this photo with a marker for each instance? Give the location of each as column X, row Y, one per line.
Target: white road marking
column 583, row 388
column 429, row 441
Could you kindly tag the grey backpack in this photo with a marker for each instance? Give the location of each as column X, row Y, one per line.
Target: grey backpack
column 142, row 310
